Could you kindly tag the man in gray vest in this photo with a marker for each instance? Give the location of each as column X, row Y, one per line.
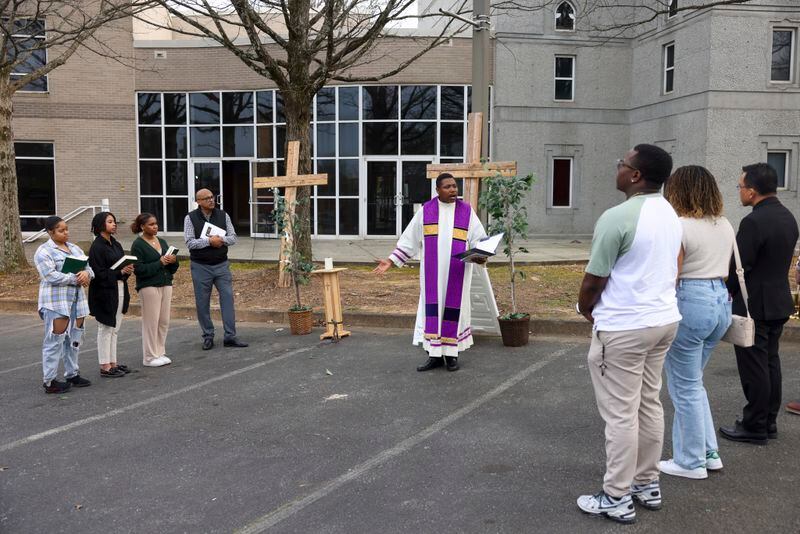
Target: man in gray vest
column 209, row 255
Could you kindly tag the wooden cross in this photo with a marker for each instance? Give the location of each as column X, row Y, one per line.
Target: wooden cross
column 473, row 170
column 291, row 182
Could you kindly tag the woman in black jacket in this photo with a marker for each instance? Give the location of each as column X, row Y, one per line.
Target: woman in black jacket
column 108, row 292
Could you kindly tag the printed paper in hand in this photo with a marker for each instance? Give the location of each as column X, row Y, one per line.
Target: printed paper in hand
column 212, row 229
column 484, row 248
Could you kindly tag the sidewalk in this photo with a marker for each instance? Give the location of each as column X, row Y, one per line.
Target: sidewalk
column 542, row 250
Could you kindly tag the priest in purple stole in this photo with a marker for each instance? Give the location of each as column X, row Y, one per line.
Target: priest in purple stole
column 445, row 226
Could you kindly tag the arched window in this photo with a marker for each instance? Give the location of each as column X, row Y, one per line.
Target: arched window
column 565, row 17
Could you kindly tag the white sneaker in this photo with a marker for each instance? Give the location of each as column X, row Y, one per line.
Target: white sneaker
column 619, row 509
column 669, row 467
column 647, row 495
column 713, row 461
column 158, row 362
column 166, row 360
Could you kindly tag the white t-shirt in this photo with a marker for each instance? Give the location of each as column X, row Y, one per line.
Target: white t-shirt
column 636, row 245
column 707, row 247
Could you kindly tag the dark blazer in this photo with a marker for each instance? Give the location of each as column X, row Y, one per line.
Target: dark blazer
column 149, row 271
column 103, row 295
column 766, row 239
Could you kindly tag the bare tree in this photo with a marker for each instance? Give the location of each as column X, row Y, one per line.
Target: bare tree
column 38, row 36
column 301, row 45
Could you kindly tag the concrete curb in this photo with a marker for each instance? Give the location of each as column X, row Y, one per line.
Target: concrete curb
column 542, row 326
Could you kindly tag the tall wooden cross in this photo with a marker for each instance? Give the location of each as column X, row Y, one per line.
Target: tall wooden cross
column 473, row 170
column 291, row 182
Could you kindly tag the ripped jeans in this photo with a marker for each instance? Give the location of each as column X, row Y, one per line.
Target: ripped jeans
column 56, row 347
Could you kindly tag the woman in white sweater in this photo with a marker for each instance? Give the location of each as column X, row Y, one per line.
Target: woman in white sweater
column 705, row 306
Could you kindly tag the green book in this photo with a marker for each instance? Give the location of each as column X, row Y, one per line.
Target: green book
column 74, row 264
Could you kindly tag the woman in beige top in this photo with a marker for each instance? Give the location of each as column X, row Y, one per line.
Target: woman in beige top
column 705, row 306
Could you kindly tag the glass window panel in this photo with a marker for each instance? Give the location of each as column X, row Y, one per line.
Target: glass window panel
column 38, row 85
column 326, row 214
column 563, row 89
column 177, row 208
column 669, row 81
column 452, row 102
column 781, row 56
column 670, row 59
column 36, row 187
column 280, row 142
column 418, row 102
column 348, row 177
column 281, row 165
column 177, row 184
column 564, row 67
column 562, row 178
column 174, row 108
column 33, row 150
column 205, row 142
column 150, row 178
column 31, row 224
column 237, row 141
column 31, row 58
column 149, row 142
column 348, row 103
column 154, row 206
column 418, row 138
column 326, row 104
column 279, row 116
column 174, row 142
column 348, row 216
column 149, row 108
column 264, row 106
column 237, row 108
column 348, row 139
column 469, row 99
column 326, row 140
column 777, row 160
column 22, row 26
column 327, row 166
column 380, row 102
column 264, row 148
column 565, row 17
column 452, row 139
column 204, row 108
column 380, row 138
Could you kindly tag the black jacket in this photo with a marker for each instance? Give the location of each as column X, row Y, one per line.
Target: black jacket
column 766, row 240
column 103, row 295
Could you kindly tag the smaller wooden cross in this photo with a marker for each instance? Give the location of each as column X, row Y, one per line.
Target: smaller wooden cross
column 291, row 182
column 473, row 170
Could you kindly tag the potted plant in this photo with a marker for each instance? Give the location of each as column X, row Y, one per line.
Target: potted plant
column 503, row 201
column 301, row 318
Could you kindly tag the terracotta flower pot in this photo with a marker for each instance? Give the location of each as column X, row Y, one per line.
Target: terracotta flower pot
column 300, row 322
column 515, row 331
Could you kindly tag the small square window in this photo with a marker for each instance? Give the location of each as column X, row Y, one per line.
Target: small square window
column 779, row 161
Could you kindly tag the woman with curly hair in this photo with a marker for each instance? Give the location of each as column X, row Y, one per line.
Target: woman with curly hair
column 704, row 303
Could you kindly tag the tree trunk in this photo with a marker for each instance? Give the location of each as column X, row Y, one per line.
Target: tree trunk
column 12, row 255
column 298, row 128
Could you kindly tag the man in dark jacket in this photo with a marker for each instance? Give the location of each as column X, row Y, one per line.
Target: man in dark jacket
column 766, row 240
column 209, row 255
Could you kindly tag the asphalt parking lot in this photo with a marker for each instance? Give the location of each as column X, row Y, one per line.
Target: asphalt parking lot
column 299, row 436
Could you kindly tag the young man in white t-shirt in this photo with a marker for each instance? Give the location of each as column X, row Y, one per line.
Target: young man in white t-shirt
column 628, row 293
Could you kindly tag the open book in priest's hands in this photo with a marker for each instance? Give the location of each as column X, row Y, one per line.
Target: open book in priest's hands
column 485, row 248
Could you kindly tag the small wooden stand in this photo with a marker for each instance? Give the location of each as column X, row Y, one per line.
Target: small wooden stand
column 333, row 303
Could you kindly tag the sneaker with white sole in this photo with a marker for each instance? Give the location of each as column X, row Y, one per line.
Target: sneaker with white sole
column 166, row 360
column 713, row 461
column 669, row 467
column 157, row 362
column 647, row 495
column 619, row 509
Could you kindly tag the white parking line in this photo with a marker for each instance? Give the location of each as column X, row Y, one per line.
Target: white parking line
column 289, row 509
column 151, row 400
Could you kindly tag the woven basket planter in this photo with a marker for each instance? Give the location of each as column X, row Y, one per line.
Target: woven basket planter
column 515, row 331
column 301, row 322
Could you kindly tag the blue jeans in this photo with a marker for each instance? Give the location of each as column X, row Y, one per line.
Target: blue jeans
column 204, row 277
column 64, row 346
column 706, row 311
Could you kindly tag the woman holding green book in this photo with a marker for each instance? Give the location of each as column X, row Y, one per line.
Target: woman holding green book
column 62, row 305
column 156, row 264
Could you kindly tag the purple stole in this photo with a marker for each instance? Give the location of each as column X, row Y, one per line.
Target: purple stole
column 448, row 335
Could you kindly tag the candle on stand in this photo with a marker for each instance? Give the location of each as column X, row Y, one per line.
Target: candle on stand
column 328, row 264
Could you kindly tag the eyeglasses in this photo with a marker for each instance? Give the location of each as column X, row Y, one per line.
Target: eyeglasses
column 621, row 163
column 739, row 187
column 203, row 199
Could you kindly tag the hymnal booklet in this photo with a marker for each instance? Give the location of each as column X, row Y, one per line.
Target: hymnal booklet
column 484, row 248
column 171, row 251
column 212, row 229
column 74, row 264
column 123, row 262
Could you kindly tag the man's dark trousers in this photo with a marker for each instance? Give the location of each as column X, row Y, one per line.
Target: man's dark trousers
column 760, row 373
column 204, row 277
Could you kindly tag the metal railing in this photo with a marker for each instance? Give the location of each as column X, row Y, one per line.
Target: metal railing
column 104, row 206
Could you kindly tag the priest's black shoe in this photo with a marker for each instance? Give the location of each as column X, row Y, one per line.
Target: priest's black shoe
column 432, row 363
column 235, row 343
column 208, row 343
column 738, row 433
column 452, row 363
column 772, row 431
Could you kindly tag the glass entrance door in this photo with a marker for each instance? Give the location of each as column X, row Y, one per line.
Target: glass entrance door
column 207, row 175
column 262, row 203
column 382, row 198
column 415, row 189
